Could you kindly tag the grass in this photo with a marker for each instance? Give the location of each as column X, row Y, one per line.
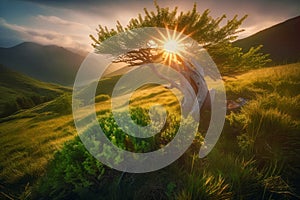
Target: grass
column 28, row 141
column 256, row 156
column 283, row 80
column 269, row 124
column 22, row 92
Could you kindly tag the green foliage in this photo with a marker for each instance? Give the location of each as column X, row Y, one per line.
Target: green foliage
column 203, row 28
column 73, row 173
column 141, row 117
column 231, row 59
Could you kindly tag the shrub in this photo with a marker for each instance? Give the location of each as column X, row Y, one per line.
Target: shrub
column 140, row 117
column 72, row 173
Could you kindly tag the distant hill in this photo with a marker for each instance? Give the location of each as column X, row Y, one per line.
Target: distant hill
column 281, row 41
column 46, row 63
column 20, row 92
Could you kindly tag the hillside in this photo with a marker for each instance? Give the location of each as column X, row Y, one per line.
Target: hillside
column 20, row 92
column 46, row 63
column 281, row 41
column 29, row 139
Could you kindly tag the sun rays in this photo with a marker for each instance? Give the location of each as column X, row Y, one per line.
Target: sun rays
column 172, row 43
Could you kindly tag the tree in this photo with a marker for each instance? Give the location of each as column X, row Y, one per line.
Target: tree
column 207, row 31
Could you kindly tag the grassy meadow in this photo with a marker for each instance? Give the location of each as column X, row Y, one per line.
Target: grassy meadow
column 256, row 157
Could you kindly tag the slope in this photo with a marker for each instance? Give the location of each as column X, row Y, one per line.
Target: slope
column 281, row 41
column 47, row 63
column 21, row 92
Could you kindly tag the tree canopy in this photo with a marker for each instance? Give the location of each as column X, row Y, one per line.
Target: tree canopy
column 206, row 30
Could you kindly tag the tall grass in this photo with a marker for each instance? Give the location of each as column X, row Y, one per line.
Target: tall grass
column 29, row 140
column 269, row 124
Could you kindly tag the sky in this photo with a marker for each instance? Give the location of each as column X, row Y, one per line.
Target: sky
column 68, row 23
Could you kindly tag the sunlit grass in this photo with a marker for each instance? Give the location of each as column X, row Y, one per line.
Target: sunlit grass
column 259, row 144
column 283, row 80
column 28, row 141
column 26, row 149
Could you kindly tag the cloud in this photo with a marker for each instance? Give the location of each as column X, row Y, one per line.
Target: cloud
column 106, row 12
column 108, row 6
column 261, row 12
column 42, row 36
column 68, row 23
column 59, row 21
column 103, row 8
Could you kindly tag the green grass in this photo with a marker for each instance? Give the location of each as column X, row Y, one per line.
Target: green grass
column 22, row 92
column 283, row 80
column 255, row 158
column 29, row 140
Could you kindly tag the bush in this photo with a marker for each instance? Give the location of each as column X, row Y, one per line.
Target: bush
column 73, row 173
column 141, row 117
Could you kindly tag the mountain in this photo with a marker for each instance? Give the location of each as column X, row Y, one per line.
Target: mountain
column 281, row 41
column 20, row 92
column 46, row 63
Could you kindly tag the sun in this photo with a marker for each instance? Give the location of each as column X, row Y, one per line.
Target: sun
column 172, row 46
